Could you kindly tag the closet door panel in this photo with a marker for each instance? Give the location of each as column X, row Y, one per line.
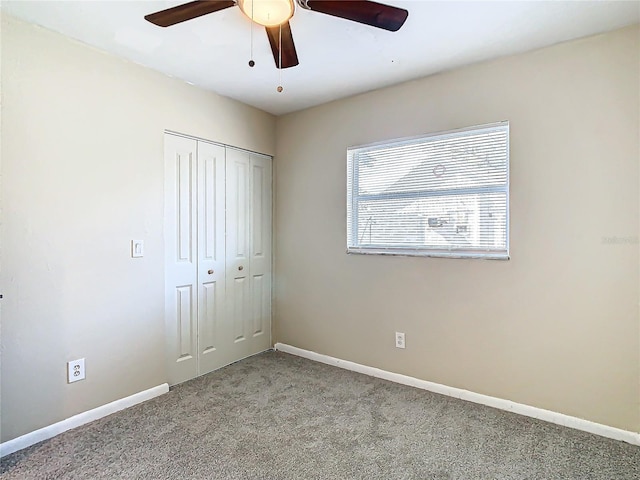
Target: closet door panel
column 180, row 258
column 260, row 248
column 258, row 311
column 239, row 309
column 211, row 255
column 238, row 253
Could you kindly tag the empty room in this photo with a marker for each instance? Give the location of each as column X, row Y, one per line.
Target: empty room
column 314, row 239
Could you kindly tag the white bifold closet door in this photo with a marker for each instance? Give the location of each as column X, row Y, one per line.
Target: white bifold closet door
column 248, row 249
column 218, row 255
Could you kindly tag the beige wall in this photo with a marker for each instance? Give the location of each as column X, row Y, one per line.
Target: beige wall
column 557, row 326
column 82, row 175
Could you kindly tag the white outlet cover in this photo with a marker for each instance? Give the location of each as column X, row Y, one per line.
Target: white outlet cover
column 75, row 370
column 137, row 248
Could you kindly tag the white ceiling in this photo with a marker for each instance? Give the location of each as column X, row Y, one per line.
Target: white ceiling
column 338, row 58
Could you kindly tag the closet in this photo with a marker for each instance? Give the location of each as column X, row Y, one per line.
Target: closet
column 217, row 255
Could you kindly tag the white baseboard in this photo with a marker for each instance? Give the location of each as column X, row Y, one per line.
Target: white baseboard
column 80, row 419
column 527, row 410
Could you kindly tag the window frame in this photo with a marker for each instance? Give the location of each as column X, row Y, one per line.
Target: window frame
column 398, row 250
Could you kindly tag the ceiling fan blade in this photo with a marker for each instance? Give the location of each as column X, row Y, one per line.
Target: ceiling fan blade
column 289, row 55
column 370, row 13
column 187, row 11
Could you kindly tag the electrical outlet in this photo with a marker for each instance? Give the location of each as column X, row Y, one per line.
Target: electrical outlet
column 75, row 370
column 400, row 340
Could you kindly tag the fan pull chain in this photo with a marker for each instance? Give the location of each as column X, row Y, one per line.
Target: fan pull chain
column 251, row 62
column 280, row 61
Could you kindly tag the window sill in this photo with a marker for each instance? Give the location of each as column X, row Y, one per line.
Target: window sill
column 408, row 252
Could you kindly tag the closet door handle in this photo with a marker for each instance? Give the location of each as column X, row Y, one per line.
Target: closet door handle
column 240, row 268
column 210, row 272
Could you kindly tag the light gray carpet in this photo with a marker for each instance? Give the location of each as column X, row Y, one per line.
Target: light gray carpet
column 276, row 416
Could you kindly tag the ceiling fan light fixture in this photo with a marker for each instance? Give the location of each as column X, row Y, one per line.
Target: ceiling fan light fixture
column 269, row 13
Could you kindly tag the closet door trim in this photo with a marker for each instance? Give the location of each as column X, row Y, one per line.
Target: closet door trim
column 213, row 142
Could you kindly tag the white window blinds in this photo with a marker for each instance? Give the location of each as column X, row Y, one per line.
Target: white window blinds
column 439, row 195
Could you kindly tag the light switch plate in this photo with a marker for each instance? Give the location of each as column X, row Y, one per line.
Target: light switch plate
column 137, row 248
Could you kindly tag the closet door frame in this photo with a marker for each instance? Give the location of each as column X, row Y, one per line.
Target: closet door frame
column 210, row 335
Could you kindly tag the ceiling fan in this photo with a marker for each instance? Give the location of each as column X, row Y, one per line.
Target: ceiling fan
column 274, row 15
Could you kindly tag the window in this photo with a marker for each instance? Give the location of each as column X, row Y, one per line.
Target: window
column 444, row 195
